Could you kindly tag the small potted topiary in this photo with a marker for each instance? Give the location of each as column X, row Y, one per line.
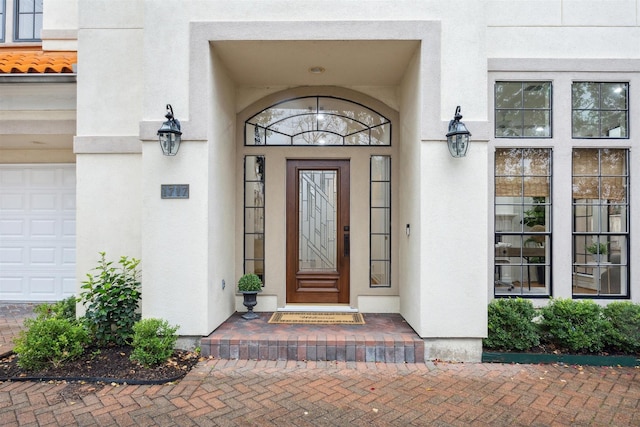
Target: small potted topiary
column 597, row 250
column 249, row 285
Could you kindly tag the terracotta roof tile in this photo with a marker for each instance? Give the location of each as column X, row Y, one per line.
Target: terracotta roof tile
column 19, row 61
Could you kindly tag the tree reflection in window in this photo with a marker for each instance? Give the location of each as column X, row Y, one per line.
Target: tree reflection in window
column 600, row 110
column 317, row 121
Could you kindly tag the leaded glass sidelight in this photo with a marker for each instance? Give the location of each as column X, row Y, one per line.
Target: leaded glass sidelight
column 254, row 204
column 317, row 121
column 380, row 222
column 522, row 222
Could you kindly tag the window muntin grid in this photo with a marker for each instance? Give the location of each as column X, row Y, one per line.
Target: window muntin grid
column 600, row 181
column 522, row 109
column 600, row 110
column 254, row 210
column 28, row 20
column 380, row 222
column 522, row 215
column 318, row 121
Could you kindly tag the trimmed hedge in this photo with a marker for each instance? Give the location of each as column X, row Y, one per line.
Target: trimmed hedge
column 577, row 326
column 511, row 327
column 49, row 341
column 153, row 341
column 624, row 335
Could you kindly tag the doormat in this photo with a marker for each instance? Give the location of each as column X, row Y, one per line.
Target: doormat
column 313, row 318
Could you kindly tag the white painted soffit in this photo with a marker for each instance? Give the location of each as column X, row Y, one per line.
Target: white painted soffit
column 289, row 63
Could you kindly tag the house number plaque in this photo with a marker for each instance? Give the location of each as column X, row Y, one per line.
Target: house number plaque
column 174, row 191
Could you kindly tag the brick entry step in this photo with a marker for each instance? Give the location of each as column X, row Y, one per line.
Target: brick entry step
column 383, row 338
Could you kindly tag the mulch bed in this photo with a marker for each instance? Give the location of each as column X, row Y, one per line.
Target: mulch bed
column 108, row 364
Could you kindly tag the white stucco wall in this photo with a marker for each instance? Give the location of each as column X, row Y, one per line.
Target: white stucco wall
column 563, row 29
column 108, row 207
column 107, row 147
column 222, row 196
column 137, row 56
column 168, row 60
column 581, row 13
column 174, row 237
column 453, row 240
column 183, row 242
column 411, row 286
column 196, row 251
column 60, row 25
column 37, row 122
column 461, row 44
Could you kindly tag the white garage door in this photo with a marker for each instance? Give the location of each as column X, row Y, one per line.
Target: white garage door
column 37, row 232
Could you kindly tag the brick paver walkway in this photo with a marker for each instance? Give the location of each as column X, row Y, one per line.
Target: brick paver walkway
column 222, row 392
column 11, row 321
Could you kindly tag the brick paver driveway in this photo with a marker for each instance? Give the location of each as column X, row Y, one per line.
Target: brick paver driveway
column 268, row 393
column 220, row 392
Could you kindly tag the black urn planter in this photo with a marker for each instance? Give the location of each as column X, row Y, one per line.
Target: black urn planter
column 250, row 301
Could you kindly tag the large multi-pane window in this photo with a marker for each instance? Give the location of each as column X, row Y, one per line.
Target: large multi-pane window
column 254, row 180
column 600, row 110
column 522, row 222
column 600, row 222
column 28, row 22
column 380, row 220
column 523, row 109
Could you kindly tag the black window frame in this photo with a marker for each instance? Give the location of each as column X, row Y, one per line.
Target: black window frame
column 600, row 110
column 602, row 236
column 525, row 263
column 261, row 180
column 258, row 132
column 387, row 233
column 496, row 110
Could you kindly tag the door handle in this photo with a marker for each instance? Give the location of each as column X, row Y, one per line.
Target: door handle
column 346, row 240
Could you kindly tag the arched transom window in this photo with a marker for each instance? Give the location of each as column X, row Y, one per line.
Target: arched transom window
column 318, row 120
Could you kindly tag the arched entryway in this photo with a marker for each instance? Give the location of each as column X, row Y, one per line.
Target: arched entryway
column 316, row 193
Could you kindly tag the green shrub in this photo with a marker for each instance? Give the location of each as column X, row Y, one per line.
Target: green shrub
column 577, row 326
column 153, row 341
column 65, row 309
column 510, row 325
column 624, row 335
column 49, row 341
column 111, row 299
column 249, row 282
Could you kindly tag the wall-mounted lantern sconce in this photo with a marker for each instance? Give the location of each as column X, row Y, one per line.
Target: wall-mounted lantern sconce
column 169, row 134
column 458, row 136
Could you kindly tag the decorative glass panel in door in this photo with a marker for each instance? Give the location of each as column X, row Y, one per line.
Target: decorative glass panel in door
column 317, row 220
column 318, row 231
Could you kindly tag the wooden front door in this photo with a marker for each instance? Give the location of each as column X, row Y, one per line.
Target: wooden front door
column 318, row 231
